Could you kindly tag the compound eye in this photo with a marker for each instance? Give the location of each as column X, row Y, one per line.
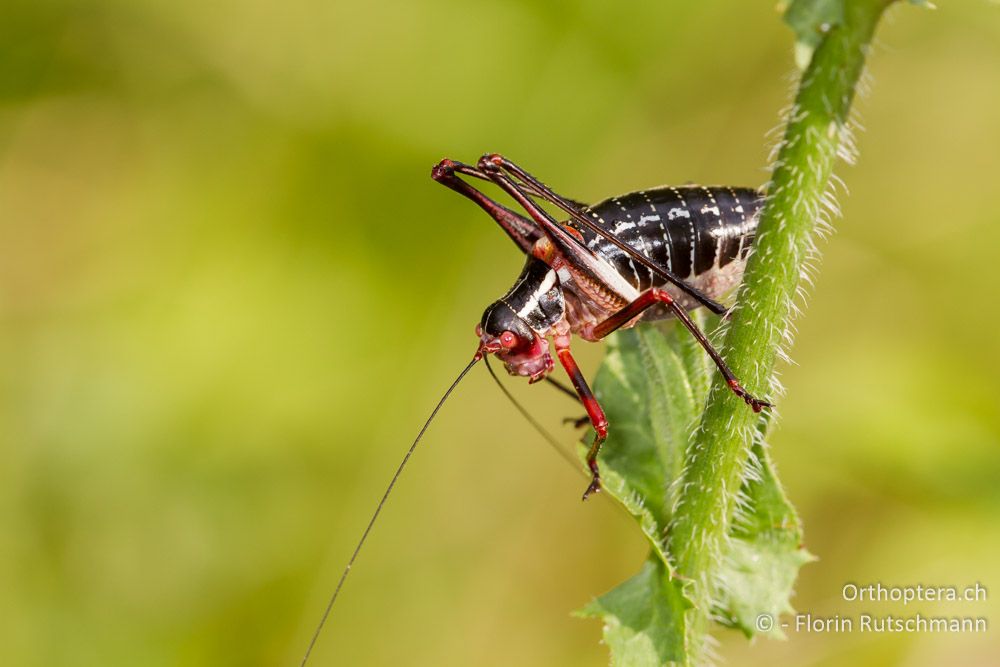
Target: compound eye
column 509, row 340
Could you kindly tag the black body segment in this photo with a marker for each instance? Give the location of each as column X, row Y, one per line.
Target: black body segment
column 536, row 299
column 689, row 230
column 498, row 169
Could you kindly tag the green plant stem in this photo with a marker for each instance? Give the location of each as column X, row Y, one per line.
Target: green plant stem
column 716, row 460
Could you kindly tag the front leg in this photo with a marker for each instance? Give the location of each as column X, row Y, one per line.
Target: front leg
column 593, row 408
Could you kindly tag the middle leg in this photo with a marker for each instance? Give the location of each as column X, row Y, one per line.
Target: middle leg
column 656, row 295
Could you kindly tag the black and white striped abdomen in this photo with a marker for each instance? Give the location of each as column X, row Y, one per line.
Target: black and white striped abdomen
column 689, row 230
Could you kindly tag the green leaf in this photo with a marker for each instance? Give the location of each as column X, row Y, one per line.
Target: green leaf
column 763, row 555
column 652, row 385
column 643, row 618
column 811, row 19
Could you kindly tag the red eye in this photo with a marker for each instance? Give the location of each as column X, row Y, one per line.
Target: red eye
column 509, row 339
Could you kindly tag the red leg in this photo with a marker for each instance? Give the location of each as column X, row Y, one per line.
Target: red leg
column 594, row 411
column 655, row 295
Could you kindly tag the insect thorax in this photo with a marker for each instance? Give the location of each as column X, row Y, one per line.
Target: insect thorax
column 535, row 301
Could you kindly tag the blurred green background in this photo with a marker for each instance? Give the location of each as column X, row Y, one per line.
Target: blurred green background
column 231, row 293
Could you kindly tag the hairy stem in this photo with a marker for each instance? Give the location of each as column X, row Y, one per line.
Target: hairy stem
column 797, row 193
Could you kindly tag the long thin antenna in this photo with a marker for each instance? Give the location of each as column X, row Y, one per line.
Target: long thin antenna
column 549, row 438
column 381, row 503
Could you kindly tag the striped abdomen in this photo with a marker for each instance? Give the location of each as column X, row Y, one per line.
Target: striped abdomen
column 693, row 231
